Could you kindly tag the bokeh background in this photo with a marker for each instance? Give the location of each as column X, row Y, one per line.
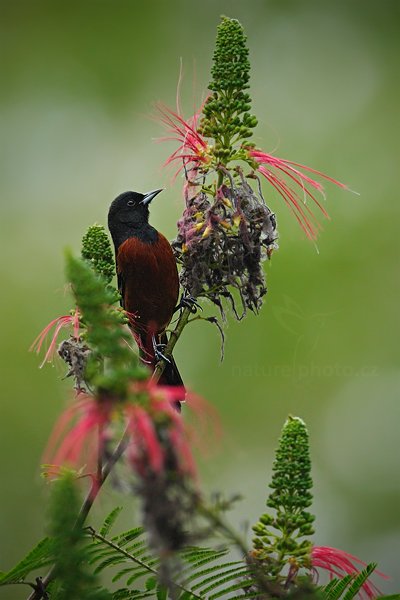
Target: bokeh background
column 78, row 83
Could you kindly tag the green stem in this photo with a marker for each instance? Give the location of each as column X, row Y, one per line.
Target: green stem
column 173, row 338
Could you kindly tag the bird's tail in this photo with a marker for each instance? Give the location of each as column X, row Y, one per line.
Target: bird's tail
column 170, row 376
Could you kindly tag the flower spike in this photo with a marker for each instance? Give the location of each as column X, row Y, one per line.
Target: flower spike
column 58, row 323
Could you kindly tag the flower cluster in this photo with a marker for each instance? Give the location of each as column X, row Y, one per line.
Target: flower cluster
column 227, row 229
column 278, row 548
column 221, row 243
column 278, row 539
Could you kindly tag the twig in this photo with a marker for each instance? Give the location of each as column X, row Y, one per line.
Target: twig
column 173, row 338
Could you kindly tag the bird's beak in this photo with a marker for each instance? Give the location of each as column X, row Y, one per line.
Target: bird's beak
column 150, row 195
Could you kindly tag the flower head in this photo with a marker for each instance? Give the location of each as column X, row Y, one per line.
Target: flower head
column 339, row 563
column 58, row 324
column 79, row 434
column 192, row 151
column 159, row 436
column 294, row 187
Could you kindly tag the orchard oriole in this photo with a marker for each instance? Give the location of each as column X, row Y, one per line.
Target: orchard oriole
column 147, row 277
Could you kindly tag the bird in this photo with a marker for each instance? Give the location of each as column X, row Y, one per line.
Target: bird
column 148, row 279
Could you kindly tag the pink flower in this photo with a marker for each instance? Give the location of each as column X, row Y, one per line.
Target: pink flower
column 193, row 148
column 145, row 449
column 79, row 434
column 339, row 563
column 58, row 323
column 156, row 431
column 294, row 187
column 148, row 448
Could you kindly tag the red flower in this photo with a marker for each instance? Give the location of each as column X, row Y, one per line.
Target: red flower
column 143, row 423
column 146, row 449
column 59, row 323
column 156, row 431
column 79, row 434
column 287, row 177
column 294, row 187
column 339, row 563
column 193, row 148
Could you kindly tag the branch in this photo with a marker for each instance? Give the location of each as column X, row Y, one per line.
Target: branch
column 173, row 338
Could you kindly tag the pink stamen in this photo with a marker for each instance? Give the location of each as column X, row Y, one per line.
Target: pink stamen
column 291, row 196
column 192, row 146
column 145, row 440
column 78, row 431
column 58, row 324
column 339, row 563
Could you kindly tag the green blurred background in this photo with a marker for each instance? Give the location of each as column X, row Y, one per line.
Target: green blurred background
column 79, row 80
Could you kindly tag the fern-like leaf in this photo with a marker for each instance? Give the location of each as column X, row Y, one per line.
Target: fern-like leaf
column 110, row 520
column 338, row 588
column 210, row 583
column 359, row 581
column 39, row 557
column 199, row 576
column 210, row 570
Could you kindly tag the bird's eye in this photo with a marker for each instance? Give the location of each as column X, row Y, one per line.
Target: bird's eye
column 130, row 203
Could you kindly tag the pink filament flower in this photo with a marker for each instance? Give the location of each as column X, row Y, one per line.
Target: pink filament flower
column 79, row 433
column 339, row 563
column 294, row 187
column 193, row 148
column 148, row 449
column 287, row 177
column 58, row 324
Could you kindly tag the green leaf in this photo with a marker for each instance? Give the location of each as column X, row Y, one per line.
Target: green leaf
column 210, row 583
column 359, row 581
column 150, row 583
column 37, row 558
column 215, row 581
column 109, row 521
column 124, row 538
column 127, row 594
column 337, row 590
column 210, row 570
column 162, row 592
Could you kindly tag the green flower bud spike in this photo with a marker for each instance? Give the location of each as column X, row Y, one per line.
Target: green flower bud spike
column 277, row 542
column 96, row 249
column 226, row 116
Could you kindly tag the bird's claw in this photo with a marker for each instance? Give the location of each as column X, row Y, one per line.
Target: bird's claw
column 190, row 303
column 158, row 353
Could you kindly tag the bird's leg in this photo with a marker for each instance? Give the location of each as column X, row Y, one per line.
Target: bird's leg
column 158, row 350
column 188, row 302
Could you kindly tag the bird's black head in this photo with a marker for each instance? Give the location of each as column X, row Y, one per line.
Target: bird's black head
column 129, row 215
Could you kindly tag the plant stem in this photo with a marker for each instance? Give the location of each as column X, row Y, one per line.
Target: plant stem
column 173, row 338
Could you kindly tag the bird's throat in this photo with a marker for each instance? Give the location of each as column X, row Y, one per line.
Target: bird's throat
column 142, row 231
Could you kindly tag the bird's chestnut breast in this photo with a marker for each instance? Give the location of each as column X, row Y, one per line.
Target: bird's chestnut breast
column 150, row 281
